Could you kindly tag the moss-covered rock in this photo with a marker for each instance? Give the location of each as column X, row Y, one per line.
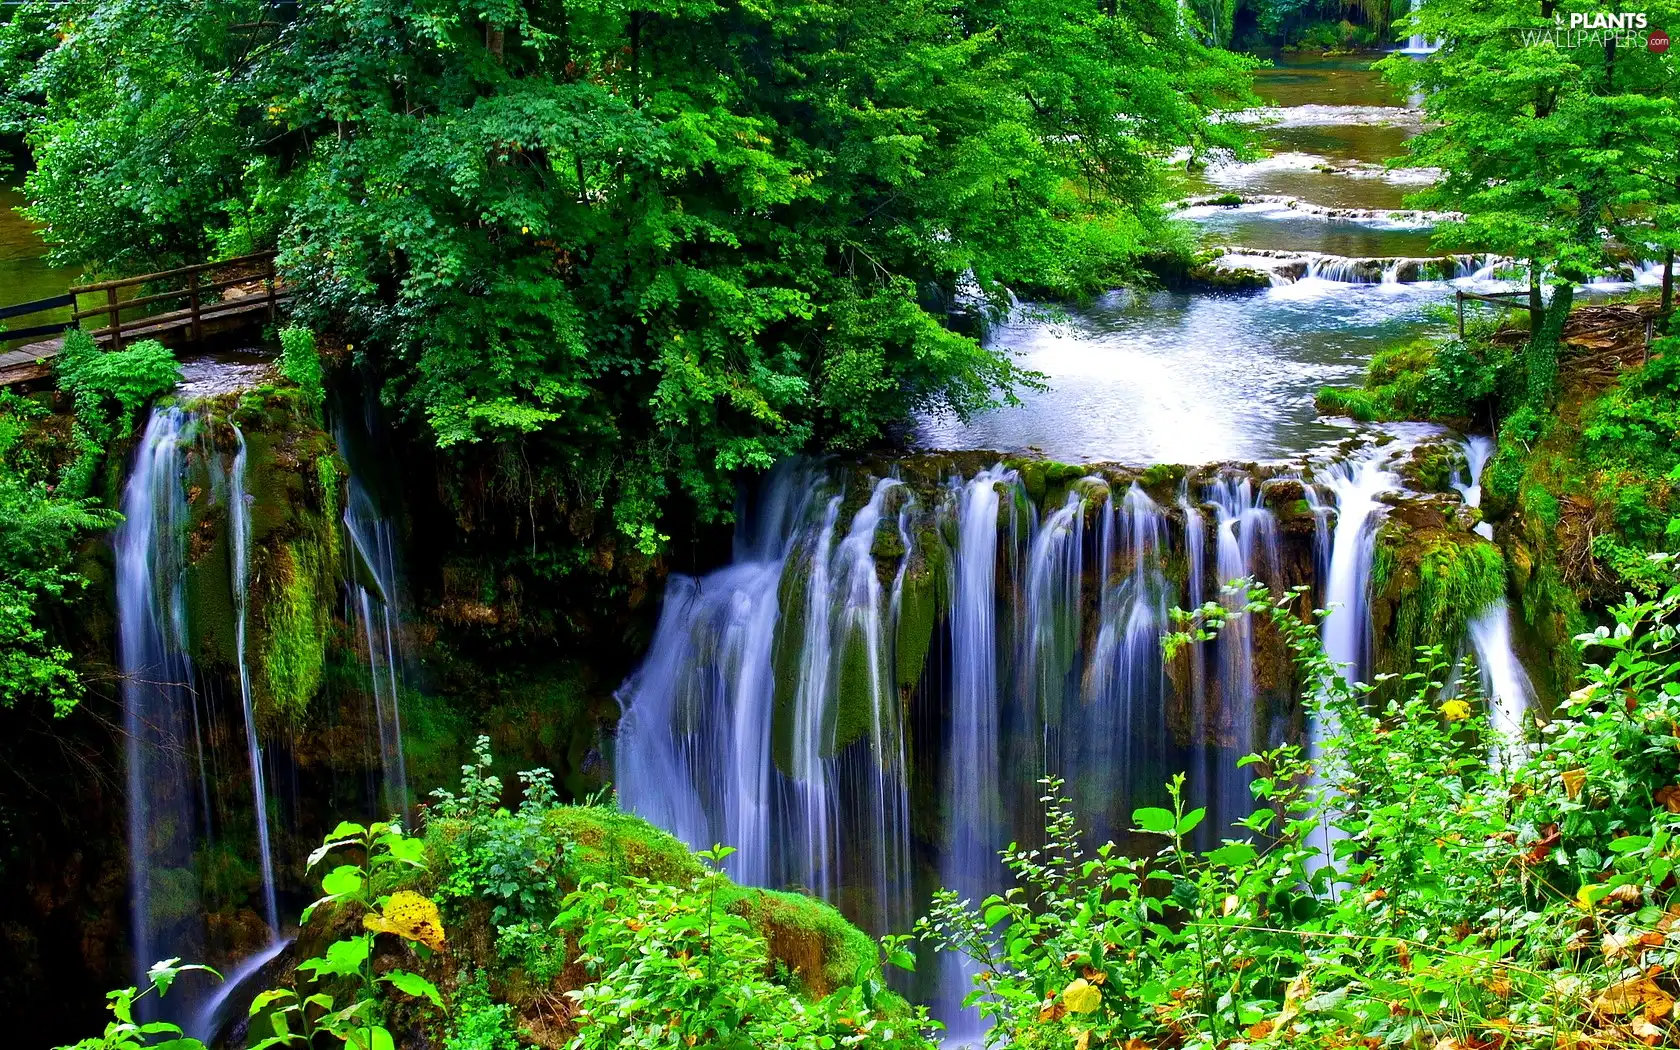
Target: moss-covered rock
column 1427, row 580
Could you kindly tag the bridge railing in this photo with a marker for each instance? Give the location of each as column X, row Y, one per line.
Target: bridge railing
column 197, row 298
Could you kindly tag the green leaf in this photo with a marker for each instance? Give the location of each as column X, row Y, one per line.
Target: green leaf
column 1232, row 855
column 1188, row 822
column 1628, row 844
column 1155, row 820
column 343, row 881
column 413, row 984
column 343, row 959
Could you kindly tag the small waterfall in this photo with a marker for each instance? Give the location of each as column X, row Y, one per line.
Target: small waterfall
column 374, row 606
column 1346, row 629
column 1245, row 546
column 730, row 726
column 1504, row 682
column 1478, row 449
column 160, row 703
column 1391, row 271
column 239, row 522
column 1355, row 485
column 972, row 779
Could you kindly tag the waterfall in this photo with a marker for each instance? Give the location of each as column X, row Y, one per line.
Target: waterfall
column 1346, row 629
column 374, row 605
column 160, row 703
column 729, row 731
column 972, row 774
column 239, row 522
column 1245, row 546
column 1355, row 484
column 1505, row 684
column 1478, row 449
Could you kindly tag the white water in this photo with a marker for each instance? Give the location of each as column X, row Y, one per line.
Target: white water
column 374, row 605
column 1478, row 449
column 972, row 780
column 239, row 527
column 160, row 715
column 1505, row 684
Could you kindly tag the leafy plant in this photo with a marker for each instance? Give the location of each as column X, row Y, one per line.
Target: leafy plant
column 111, row 386
column 301, row 362
column 388, row 856
column 1422, row 880
column 671, row 968
column 126, row 1033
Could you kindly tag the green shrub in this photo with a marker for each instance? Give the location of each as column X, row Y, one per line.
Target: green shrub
column 111, row 386
column 1424, row 881
column 300, row 362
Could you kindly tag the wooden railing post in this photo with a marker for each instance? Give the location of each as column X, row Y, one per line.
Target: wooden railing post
column 192, row 304
column 115, row 313
column 269, row 275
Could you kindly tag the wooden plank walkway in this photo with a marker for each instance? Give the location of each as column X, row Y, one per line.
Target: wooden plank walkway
column 245, row 298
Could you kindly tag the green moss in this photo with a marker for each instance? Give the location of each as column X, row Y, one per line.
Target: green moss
column 294, row 623
column 1161, row 474
column 1434, row 580
column 608, row 846
column 918, row 610
column 787, row 657
column 809, row 937
column 860, row 685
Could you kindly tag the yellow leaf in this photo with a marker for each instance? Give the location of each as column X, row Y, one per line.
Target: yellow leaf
column 1588, row 895
column 1456, row 710
column 1081, row 996
column 1574, row 780
column 1084, row 1040
column 1292, row 997
column 411, row 917
column 1639, row 993
column 1231, row 904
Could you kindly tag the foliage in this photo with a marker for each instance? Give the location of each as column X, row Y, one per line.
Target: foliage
column 111, row 386
column 126, row 1033
column 650, row 247
column 1546, row 142
column 480, row 1022
column 1452, row 380
column 387, row 857
column 300, row 362
column 1422, row 881
column 672, row 968
column 39, row 524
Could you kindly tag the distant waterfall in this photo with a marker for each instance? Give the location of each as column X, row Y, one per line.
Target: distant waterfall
column 161, row 710
column 374, row 598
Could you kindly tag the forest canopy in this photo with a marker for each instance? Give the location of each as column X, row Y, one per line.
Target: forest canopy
column 663, row 242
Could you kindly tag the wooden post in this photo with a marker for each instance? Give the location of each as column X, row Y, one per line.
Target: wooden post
column 1458, row 294
column 268, row 280
column 115, row 313
column 192, row 303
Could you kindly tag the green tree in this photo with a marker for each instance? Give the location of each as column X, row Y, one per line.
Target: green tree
column 646, row 246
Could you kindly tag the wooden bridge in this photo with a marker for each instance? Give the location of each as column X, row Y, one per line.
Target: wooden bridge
column 213, row 299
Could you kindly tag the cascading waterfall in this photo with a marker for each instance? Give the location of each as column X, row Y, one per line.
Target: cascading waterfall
column 1355, row 485
column 1245, row 547
column 1505, row 684
column 374, row 605
column 1478, row 449
column 239, row 521
column 775, row 709
column 972, row 779
column 160, row 702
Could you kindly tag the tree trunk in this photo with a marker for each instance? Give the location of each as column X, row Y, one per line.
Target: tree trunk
column 1668, row 286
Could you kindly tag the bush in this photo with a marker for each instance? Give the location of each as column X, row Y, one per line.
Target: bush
column 300, row 362
column 1423, row 881
column 111, row 386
